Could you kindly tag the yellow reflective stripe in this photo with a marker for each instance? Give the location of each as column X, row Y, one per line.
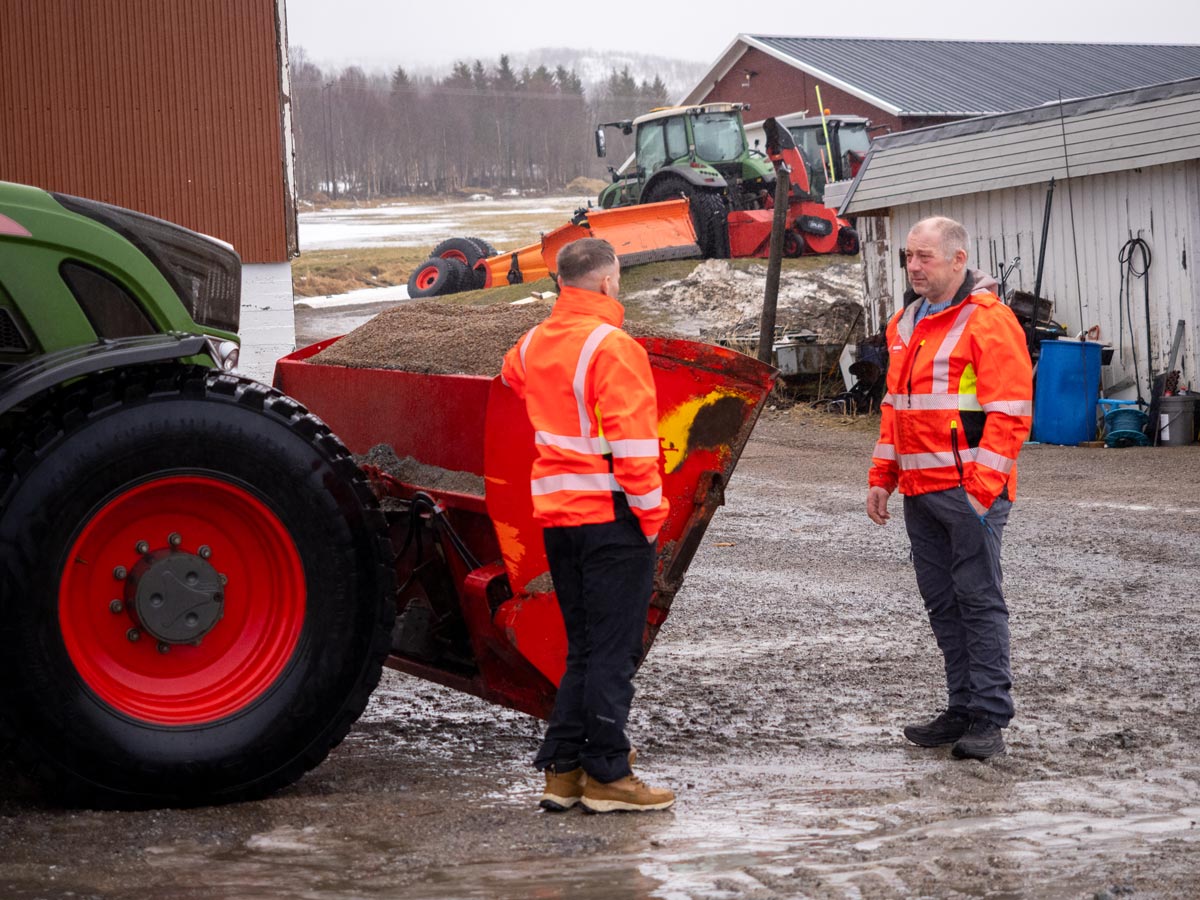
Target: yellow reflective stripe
column 994, row 460
column 1011, row 407
column 884, row 451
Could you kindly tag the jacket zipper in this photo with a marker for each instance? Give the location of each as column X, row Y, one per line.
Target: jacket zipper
column 958, row 464
column 913, row 365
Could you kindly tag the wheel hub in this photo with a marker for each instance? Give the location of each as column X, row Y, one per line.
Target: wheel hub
column 177, row 597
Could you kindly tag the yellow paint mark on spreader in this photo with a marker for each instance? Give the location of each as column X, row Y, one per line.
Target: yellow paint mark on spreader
column 675, row 428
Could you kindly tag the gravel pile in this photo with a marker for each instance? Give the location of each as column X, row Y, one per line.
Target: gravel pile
column 443, row 339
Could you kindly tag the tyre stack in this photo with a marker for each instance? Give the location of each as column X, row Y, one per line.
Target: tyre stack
column 451, row 268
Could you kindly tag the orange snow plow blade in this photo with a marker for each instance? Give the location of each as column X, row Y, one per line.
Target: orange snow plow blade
column 640, row 234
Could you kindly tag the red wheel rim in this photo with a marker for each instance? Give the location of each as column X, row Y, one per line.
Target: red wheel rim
column 244, row 652
column 427, row 277
column 457, row 254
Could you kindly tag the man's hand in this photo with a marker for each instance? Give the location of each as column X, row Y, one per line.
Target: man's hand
column 877, row 501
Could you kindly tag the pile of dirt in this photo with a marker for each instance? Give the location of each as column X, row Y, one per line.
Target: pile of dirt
column 442, row 339
column 436, row 338
column 584, row 185
column 718, row 302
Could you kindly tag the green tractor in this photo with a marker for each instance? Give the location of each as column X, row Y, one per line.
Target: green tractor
column 196, row 590
column 698, row 152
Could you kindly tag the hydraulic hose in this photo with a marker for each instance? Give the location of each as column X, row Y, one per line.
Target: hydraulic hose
column 1129, row 268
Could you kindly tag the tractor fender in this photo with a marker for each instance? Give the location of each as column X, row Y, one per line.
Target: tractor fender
column 708, row 182
column 49, row 370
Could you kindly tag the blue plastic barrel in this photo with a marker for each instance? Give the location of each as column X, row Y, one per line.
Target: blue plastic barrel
column 1065, row 395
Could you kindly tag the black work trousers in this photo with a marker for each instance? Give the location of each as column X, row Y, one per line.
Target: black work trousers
column 956, row 554
column 603, row 576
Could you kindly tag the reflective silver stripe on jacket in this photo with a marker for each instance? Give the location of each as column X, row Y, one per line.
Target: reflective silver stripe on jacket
column 994, row 460
column 525, row 345
column 589, row 445
column 580, row 381
column 923, row 402
column 602, row 482
column 940, row 460
column 634, row 447
column 941, row 360
column 884, row 451
column 1011, row 407
column 596, row 483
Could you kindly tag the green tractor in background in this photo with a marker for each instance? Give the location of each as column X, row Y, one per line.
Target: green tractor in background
column 196, row 590
column 701, row 153
column 698, row 152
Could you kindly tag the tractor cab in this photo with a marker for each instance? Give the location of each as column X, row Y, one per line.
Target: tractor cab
column 843, row 151
column 703, row 145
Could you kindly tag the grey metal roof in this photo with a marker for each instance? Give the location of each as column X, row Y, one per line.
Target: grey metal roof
column 1142, row 127
column 971, row 78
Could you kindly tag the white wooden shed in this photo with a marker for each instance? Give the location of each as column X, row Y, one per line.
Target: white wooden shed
column 1126, row 165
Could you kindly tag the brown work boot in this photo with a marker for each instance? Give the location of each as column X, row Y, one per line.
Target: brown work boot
column 629, row 794
column 563, row 790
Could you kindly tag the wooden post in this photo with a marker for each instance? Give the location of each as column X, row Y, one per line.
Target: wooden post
column 766, row 330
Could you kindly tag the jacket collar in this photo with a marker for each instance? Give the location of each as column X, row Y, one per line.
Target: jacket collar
column 578, row 302
column 908, row 317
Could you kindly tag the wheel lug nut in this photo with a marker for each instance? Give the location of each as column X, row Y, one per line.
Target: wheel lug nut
column 133, row 635
column 116, row 606
column 143, row 547
column 164, row 647
column 204, row 552
column 119, row 573
column 174, row 539
column 224, row 579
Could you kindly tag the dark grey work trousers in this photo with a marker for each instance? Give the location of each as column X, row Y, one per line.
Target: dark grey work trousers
column 603, row 575
column 956, row 555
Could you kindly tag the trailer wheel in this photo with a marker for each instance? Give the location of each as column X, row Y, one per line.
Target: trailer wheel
column 435, row 277
column 197, row 590
column 709, row 216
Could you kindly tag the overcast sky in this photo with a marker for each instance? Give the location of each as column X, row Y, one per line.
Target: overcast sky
column 386, row 33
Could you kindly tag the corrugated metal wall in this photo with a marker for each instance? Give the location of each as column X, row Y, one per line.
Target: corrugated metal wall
column 170, row 108
column 1160, row 204
column 1106, row 140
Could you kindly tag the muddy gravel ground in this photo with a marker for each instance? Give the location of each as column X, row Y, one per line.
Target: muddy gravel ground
column 772, row 702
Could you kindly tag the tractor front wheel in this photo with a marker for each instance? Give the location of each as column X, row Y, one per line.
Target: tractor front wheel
column 709, row 215
column 197, row 592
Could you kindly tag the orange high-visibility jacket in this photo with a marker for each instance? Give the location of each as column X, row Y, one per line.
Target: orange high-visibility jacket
column 960, row 398
column 590, row 396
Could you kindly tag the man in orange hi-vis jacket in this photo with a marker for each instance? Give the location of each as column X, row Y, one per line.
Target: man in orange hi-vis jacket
column 958, row 409
column 597, row 490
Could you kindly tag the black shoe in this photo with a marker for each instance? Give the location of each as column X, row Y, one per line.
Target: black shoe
column 947, row 728
column 982, row 740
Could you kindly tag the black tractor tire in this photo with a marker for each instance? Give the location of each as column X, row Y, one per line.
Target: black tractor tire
column 485, row 248
column 848, row 241
column 709, row 215
column 465, row 279
column 465, row 250
column 224, row 475
column 435, row 277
